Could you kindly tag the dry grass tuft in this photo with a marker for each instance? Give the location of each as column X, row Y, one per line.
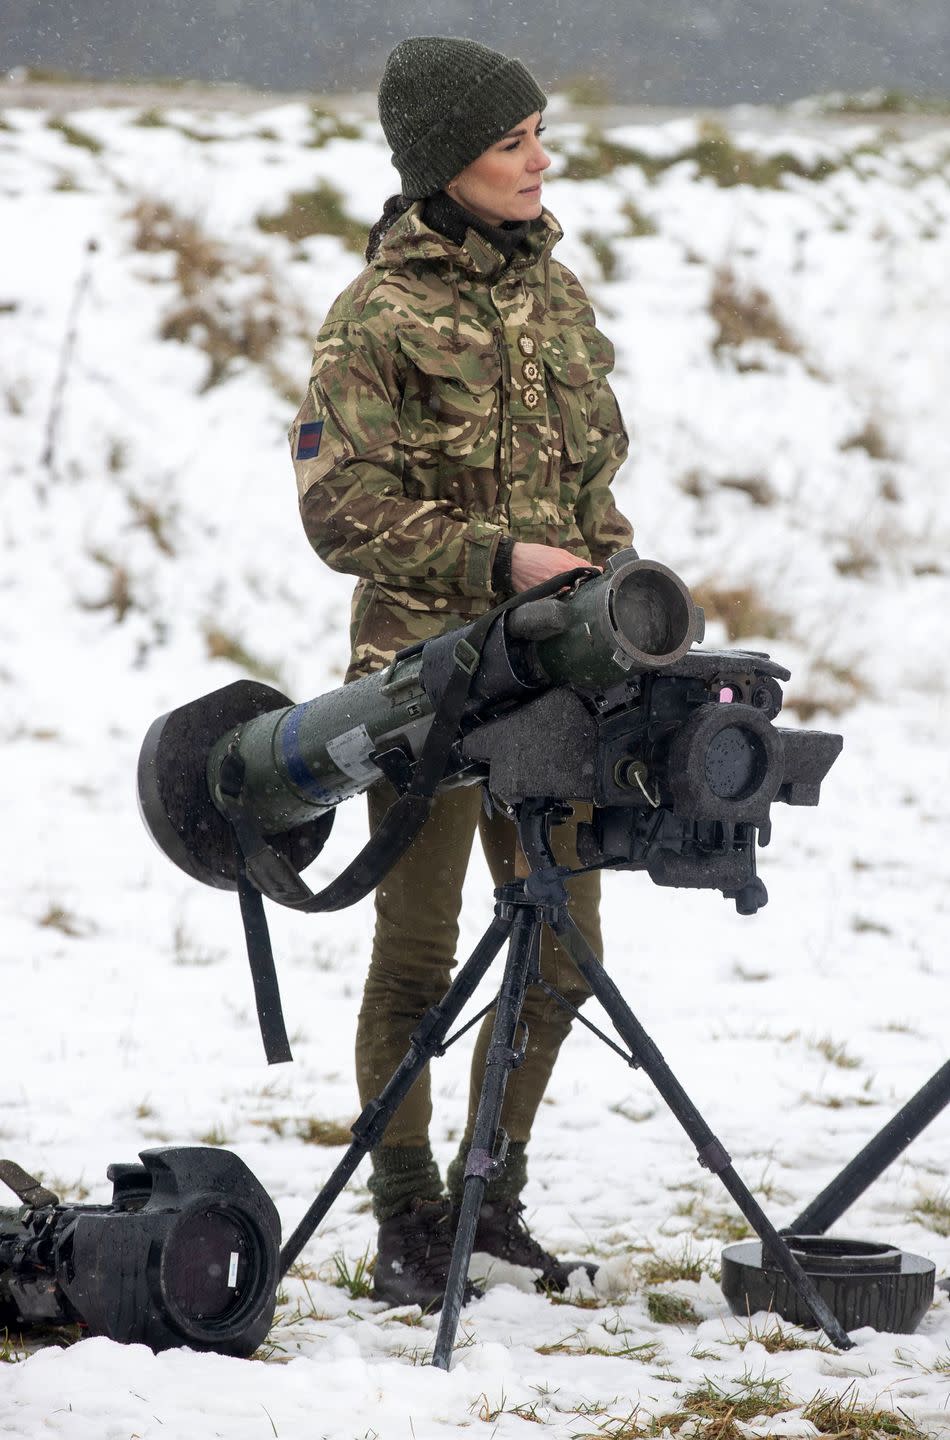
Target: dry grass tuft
column 714, row 156
column 858, row 558
column 325, row 127
column 59, row 917
column 74, row 136
column 157, row 523
column 719, row 159
column 228, row 322
column 159, row 227
column 756, row 487
column 777, row 1339
column 597, row 156
column 221, row 645
column 639, row 225
column 742, row 611
column 665, row 1309
column 316, row 212
column 846, row 1418
column 118, row 595
column 717, row 1413
column 933, row 1212
column 580, row 1342
column 217, row 1136
column 746, row 314
column 834, row 689
column 323, row 1132
column 707, row 1222
column 603, row 252
column 835, row 1052
column 688, row 1264
column 872, row 439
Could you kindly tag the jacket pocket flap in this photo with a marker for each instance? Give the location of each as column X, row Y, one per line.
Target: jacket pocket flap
column 579, row 356
column 475, row 367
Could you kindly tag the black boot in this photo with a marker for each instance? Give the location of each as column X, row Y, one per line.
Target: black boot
column 502, row 1232
column 412, row 1264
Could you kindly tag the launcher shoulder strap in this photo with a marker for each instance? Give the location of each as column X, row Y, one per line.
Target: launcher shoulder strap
column 272, row 875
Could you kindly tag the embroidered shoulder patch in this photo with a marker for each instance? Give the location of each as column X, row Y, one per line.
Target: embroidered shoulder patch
column 308, row 441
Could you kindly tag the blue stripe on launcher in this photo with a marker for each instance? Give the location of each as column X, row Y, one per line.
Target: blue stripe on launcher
column 298, row 772
column 308, row 441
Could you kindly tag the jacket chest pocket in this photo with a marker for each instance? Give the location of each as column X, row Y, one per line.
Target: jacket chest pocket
column 575, row 361
column 450, row 404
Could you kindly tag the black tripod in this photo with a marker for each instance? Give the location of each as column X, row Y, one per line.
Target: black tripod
column 522, row 909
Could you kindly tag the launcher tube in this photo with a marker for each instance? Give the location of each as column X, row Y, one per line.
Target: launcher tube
column 303, row 760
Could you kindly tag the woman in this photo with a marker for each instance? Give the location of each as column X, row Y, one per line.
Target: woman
column 456, row 445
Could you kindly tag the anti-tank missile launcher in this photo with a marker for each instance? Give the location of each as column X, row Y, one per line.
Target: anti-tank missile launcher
column 589, row 690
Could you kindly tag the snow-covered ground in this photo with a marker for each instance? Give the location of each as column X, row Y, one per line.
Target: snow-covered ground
column 795, row 475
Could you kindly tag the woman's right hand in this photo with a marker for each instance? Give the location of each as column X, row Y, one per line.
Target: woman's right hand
column 532, row 564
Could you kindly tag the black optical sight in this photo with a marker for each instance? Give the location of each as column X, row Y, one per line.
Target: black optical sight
column 187, row 1253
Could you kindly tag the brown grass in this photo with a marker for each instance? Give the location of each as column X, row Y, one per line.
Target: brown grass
column 155, row 522
column 603, row 252
column 74, row 136
column 741, row 609
column 756, row 487
column 225, row 335
column 746, row 314
column 207, row 316
column 845, row 1418
column 118, row 595
column 665, row 1309
column 316, row 212
column 714, row 155
column 933, row 1212
column 639, row 225
column 835, row 688
column 872, row 439
column 58, row 917
column 221, row 645
column 688, row 1264
column 324, row 1132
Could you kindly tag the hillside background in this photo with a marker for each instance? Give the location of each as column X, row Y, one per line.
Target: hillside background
column 707, row 52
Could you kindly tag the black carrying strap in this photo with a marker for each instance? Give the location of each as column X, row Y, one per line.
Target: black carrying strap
column 262, row 870
column 25, row 1186
column 270, row 1014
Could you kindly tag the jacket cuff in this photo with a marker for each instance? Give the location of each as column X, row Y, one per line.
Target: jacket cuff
column 501, row 567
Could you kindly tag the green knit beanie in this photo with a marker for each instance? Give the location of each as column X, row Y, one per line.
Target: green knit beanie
column 443, row 102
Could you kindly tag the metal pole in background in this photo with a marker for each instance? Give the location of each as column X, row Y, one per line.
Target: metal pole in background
column 65, row 358
column 877, row 1155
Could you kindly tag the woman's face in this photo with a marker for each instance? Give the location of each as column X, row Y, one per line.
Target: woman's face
column 504, row 183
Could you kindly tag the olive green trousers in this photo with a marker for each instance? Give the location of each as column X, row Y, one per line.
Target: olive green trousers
column 417, row 910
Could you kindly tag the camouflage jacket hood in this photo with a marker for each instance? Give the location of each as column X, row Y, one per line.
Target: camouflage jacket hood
column 454, row 400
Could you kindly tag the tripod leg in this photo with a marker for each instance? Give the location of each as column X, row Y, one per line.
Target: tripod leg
column 425, row 1042
column 712, row 1154
column 502, row 1058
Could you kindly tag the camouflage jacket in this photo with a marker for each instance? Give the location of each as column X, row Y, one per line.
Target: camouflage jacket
column 453, row 401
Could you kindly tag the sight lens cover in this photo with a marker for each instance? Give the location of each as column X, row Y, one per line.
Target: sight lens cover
column 207, row 1262
column 736, row 763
